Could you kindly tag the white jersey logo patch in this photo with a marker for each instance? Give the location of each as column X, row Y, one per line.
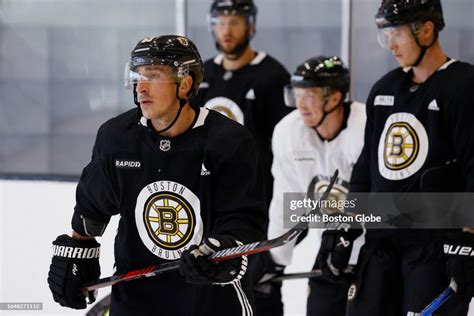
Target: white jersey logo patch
column 168, row 219
column 403, row 146
column 433, row 106
column 384, row 100
column 227, row 107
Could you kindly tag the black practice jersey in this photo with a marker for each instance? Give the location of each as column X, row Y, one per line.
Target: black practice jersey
column 170, row 193
column 252, row 96
column 414, row 127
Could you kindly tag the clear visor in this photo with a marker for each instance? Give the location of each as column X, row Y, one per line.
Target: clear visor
column 295, row 96
column 289, row 96
column 153, row 73
column 228, row 20
column 394, row 36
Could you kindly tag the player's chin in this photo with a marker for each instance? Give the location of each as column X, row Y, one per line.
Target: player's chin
column 403, row 62
column 228, row 49
column 147, row 113
column 309, row 121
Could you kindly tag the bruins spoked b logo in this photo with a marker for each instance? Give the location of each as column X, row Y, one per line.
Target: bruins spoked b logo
column 168, row 218
column 403, row 146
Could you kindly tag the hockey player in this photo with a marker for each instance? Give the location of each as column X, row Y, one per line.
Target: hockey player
column 419, row 121
column 326, row 133
column 169, row 170
column 242, row 83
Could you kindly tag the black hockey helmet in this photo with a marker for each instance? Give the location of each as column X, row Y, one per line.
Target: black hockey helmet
column 234, row 7
column 245, row 8
column 327, row 73
column 177, row 52
column 398, row 12
column 322, row 71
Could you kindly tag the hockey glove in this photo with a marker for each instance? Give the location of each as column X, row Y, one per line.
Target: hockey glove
column 74, row 263
column 335, row 251
column 196, row 267
column 459, row 247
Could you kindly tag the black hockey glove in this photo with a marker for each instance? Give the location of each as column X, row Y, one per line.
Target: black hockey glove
column 197, row 269
column 459, row 247
column 74, row 263
column 335, row 251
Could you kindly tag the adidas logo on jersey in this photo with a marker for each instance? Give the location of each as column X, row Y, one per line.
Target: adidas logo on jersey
column 433, row 106
column 250, row 95
column 204, row 171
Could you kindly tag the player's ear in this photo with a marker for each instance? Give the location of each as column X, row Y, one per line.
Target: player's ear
column 185, row 86
column 427, row 31
column 252, row 30
column 335, row 97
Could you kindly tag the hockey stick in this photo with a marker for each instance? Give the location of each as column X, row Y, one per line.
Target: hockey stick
column 224, row 254
column 303, row 275
column 437, row 302
column 101, row 308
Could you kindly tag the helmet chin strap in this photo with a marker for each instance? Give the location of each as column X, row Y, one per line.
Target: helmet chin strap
column 182, row 103
column 326, row 113
column 423, row 48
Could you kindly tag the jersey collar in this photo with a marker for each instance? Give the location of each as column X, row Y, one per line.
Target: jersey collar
column 255, row 61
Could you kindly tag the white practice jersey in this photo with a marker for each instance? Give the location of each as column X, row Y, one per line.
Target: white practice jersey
column 301, row 155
